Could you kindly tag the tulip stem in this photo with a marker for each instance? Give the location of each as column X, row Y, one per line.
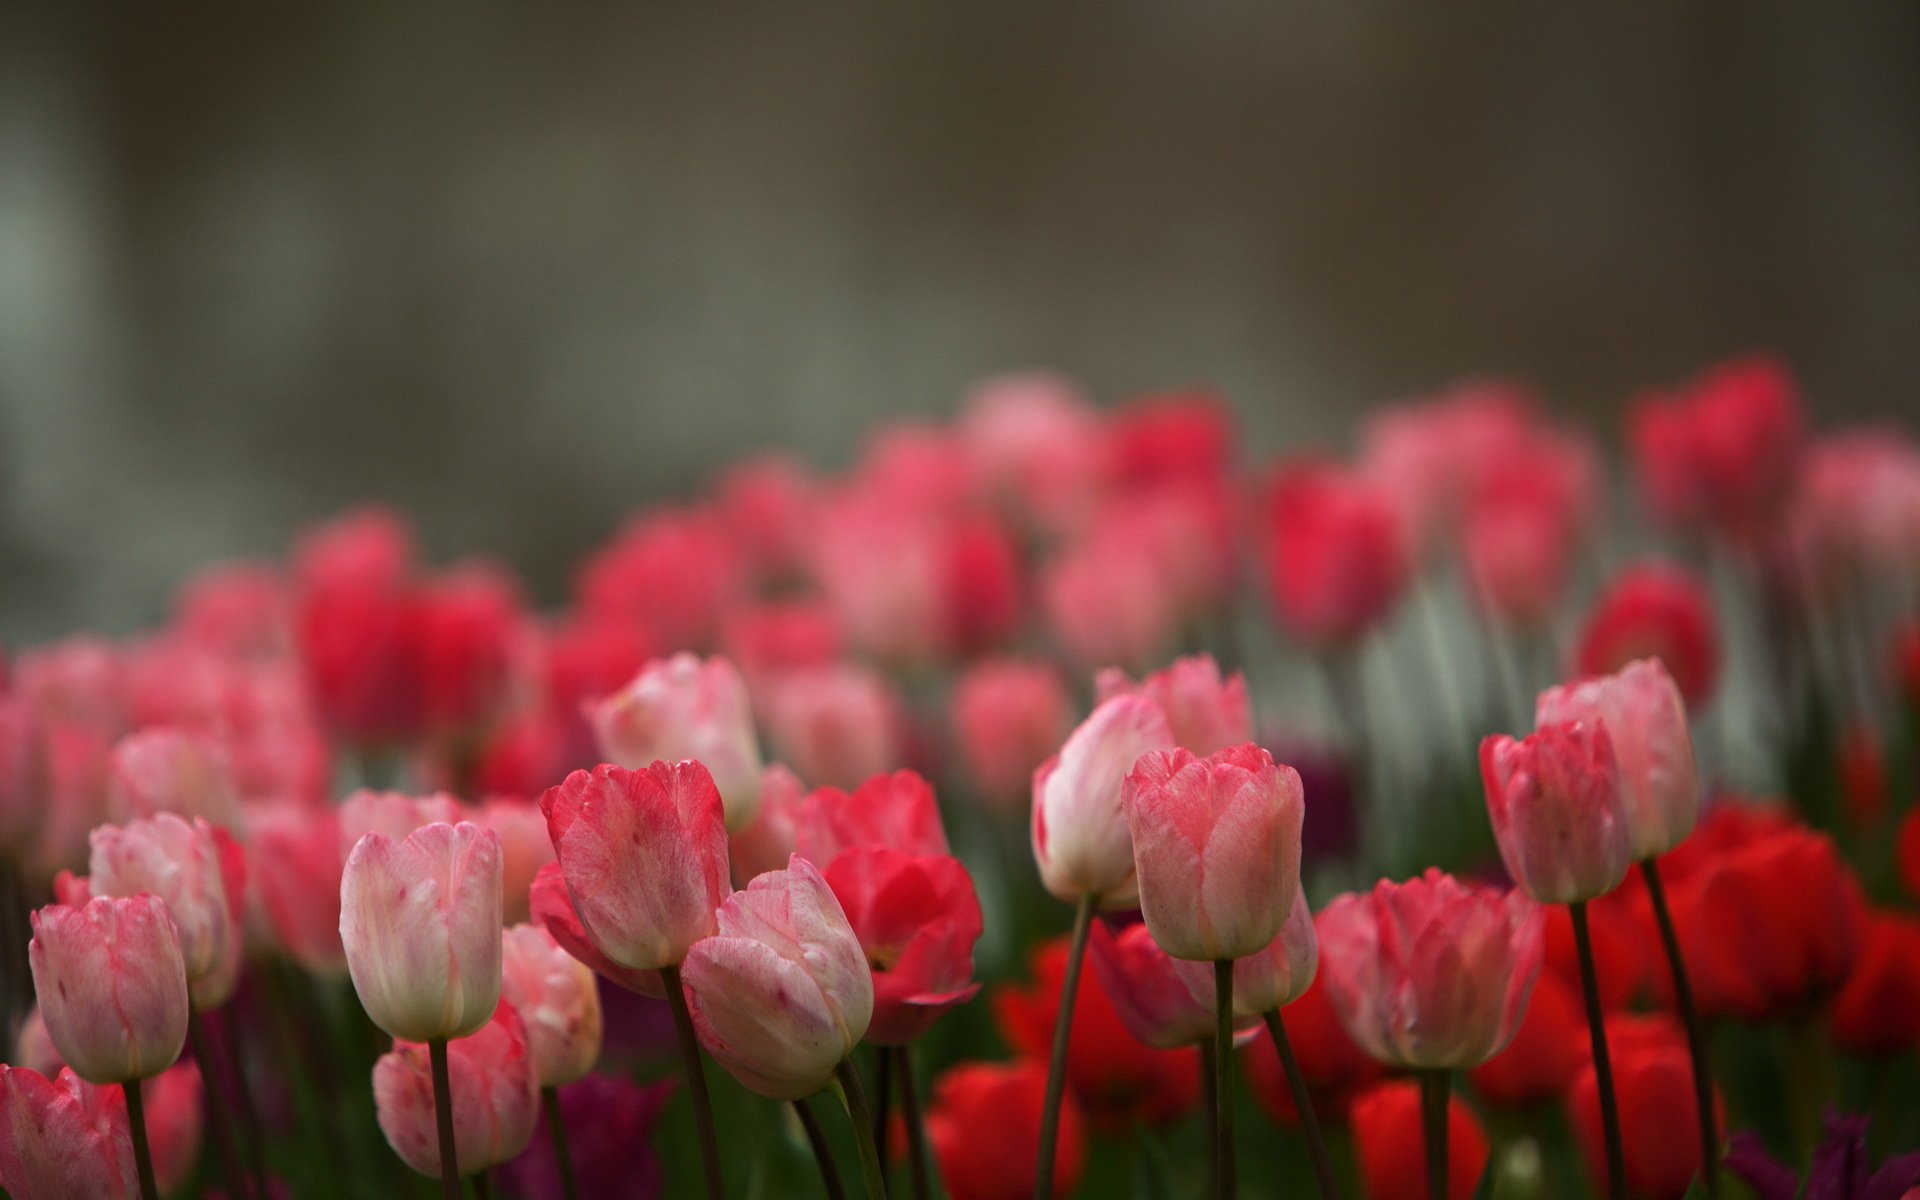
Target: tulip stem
column 822, row 1152
column 916, row 1130
column 1210, row 1103
column 854, row 1096
column 883, row 1100
column 210, row 1076
column 443, row 1117
column 557, row 1134
column 142, row 1156
column 1057, row 1065
column 696, row 1081
column 1434, row 1089
column 1228, row 1180
column 1602, row 1064
column 1696, row 1042
column 1303, row 1107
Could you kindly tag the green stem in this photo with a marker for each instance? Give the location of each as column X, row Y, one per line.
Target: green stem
column 917, row 1162
column 1602, row 1064
column 142, row 1156
column 1303, row 1106
column 696, row 1081
column 443, row 1117
column 1226, row 1179
column 1057, row 1066
column 1434, row 1089
column 1690, row 1016
column 822, row 1152
column 557, row 1134
column 854, row 1096
column 1210, row 1108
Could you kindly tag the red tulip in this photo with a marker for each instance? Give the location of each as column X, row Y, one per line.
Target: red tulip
column 112, row 986
column 1204, row 712
column 1165, row 1002
column 1393, row 1155
column 470, row 620
column 1878, row 1009
column 896, row 810
column 1558, row 811
column 1332, row 1063
column 175, row 1103
column 179, row 862
column 1008, row 717
column 237, row 609
column 1173, row 437
column 1433, row 457
column 1854, row 514
column 1646, row 721
column 1654, row 611
column 299, row 860
column 1660, row 1122
column 686, row 707
column 1337, row 555
column 496, row 1097
column 771, row 639
column 1039, row 443
column 64, row 1138
column 981, row 1105
column 1080, row 834
column 1626, row 950
column 767, row 504
column 1107, row 597
column 1518, row 543
column 917, row 918
column 670, row 572
column 552, row 910
column 644, row 855
column 1717, row 453
column 1547, row 1050
column 1430, row 973
column 1216, row 844
column 23, row 776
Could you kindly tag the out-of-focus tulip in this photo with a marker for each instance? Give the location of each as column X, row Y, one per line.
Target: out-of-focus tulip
column 1276, row 976
column 686, row 707
column 1653, row 610
column 1878, row 1010
column 496, row 1097
column 773, row 833
column 1107, row 598
column 609, row 1124
column 1660, row 1122
column 767, row 503
column 1518, row 543
column 896, row 810
column 1626, row 950
column 1718, row 452
column 553, row 911
column 1854, row 517
column 175, row 1107
column 357, row 624
column 1040, row 444
column 1164, row 1001
column 1216, row 843
column 176, row 861
column 837, row 725
column 1173, row 437
column 771, row 639
column 644, row 854
column 393, row 814
column 1009, row 715
column 1337, row 556
column 1547, row 1050
column 76, row 797
column 1393, row 1155
column 168, row 770
column 420, row 921
column 33, row 1048
column 1332, row 1063
column 23, row 775
column 557, row 1000
column 1205, row 712
column 668, row 571
column 1430, row 973
column 782, row 993
column 1558, row 811
column 239, row 609
column 999, row 1105
column 299, row 859
column 524, row 849
column 1080, row 834
column 1117, row 1079
column 1432, row 457
column 64, row 1138
column 917, row 918
column 1646, row 720
column 469, row 619
column 112, row 986
column 78, row 681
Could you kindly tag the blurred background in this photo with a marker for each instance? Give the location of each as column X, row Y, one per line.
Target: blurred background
column 518, row 273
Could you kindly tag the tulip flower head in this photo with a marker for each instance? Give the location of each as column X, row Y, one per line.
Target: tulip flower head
column 977, row 1105
column 112, row 986
column 1205, row 712
column 553, row 911
column 63, row 1138
column 1646, row 721
column 558, row 1003
column 686, row 707
column 420, row 920
column 1164, row 1001
column 496, row 1097
column 1080, row 834
column 1559, row 811
column 917, row 919
column 1654, row 611
column 1275, row 976
column 177, row 861
column 896, row 810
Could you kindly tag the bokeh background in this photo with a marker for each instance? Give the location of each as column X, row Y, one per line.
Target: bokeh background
column 519, row 270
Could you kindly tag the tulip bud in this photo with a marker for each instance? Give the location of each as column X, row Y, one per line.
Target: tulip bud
column 178, row 862
column 683, row 707
column 1392, row 1154
column 524, row 849
column 781, row 994
column 1274, row 977
column 298, row 862
column 917, row 919
column 644, row 855
column 976, row 1105
column 496, row 1097
column 420, row 921
column 112, row 986
column 1205, row 712
column 1080, row 834
column 1646, row 720
column 1163, row 1001
column 553, row 911
column 557, row 1000
column 64, row 1138
column 1654, row 611
column 1008, row 717
column 1558, row 811
column 167, row 770
column 1430, row 973
column 1653, row 1078
column 1217, row 845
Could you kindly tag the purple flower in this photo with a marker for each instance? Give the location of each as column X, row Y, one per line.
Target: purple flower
column 608, row 1124
column 1839, row 1170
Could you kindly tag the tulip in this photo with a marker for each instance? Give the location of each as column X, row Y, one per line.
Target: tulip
column 917, row 919
column 495, row 1098
column 782, row 993
column 1337, row 555
column 33, row 1047
column 1714, row 454
column 1878, row 1010
column 670, row 571
column 553, row 911
column 1393, row 1162
column 1163, row 1001
column 1008, row 717
column 1080, row 834
column 1654, row 611
column 524, row 849
column 1652, row 1072
column 174, row 1105
column 420, row 921
column 1559, row 811
column 112, row 986
column 686, row 708
column 1107, row 597
column 559, row 1005
column 644, row 856
column 298, row 861
column 838, row 724
column 897, row 811
column 771, row 639
column 394, row 814
column 1841, row 1167
column 178, row 862
column 23, row 776
column 998, row 1105
column 167, row 770
column 1646, row 721
column 469, row 619
column 1217, row 845
column 1204, row 712
column 772, row 834
column 1546, row 1052
column 64, row 1138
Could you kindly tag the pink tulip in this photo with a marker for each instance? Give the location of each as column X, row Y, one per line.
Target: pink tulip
column 557, row 1000
column 644, row 855
column 420, row 920
column 1279, row 974
column 64, row 1138
column 524, row 849
column 1558, row 810
column 1205, row 712
column 837, row 725
column 496, row 1097
column 782, row 993
column 770, row 837
column 112, row 986
column 167, row 770
column 1646, row 720
column 896, row 810
column 394, row 814
column 298, row 858
column 1216, row 842
column 1080, row 835
column 1431, row 973
column 33, row 1048
column 175, row 1104
column 1107, row 597
column 917, row 918
column 1164, row 1001
column 23, row 776
column 176, row 861
column 553, row 911
column 1008, row 717
column 686, row 707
